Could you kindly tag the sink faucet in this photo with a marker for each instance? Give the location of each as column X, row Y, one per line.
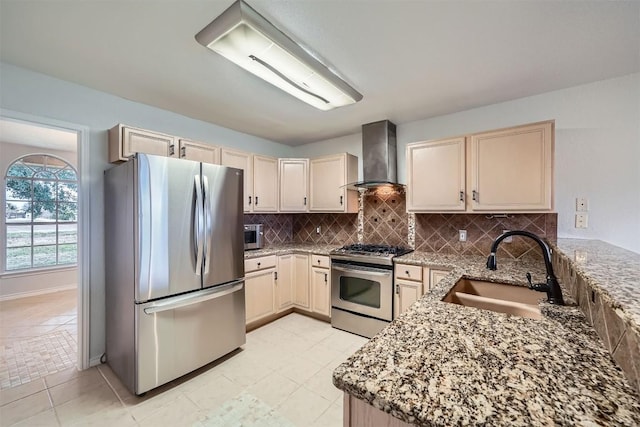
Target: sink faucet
column 552, row 288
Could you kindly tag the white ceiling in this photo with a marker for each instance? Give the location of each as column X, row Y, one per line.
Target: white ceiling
column 410, row 59
column 15, row 132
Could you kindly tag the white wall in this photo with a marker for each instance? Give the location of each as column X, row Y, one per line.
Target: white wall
column 19, row 284
column 36, row 94
column 597, row 153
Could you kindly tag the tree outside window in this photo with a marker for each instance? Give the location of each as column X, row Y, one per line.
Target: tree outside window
column 41, row 213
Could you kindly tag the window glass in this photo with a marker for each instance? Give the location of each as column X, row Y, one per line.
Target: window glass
column 41, row 213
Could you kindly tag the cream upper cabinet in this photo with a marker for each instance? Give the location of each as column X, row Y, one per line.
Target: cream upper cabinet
column 507, row 170
column 294, row 185
column 436, row 176
column 301, row 283
column 321, row 290
column 328, row 177
column 125, row 141
column 199, row 151
column 512, row 169
column 244, row 161
column 265, row 184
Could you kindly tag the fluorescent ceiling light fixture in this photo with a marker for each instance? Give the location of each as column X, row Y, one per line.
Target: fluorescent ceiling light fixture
column 246, row 38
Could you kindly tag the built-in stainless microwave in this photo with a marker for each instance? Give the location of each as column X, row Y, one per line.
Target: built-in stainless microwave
column 253, row 237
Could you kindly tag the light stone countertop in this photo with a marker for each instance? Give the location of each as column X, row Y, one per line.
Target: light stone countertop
column 287, row 248
column 444, row 364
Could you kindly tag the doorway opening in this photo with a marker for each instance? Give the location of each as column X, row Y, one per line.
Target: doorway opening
column 43, row 266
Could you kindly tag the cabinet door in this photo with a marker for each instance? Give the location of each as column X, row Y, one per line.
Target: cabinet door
column 436, row 176
column 265, row 184
column 406, row 293
column 327, row 179
column 284, row 282
column 301, row 280
column 321, row 291
column 512, row 170
column 199, row 152
column 436, row 276
column 294, row 174
column 259, row 294
column 125, row 141
column 241, row 160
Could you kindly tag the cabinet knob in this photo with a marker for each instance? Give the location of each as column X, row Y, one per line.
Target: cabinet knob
column 318, row 261
column 258, row 264
column 305, row 201
column 183, row 152
column 249, row 199
column 397, row 289
column 275, row 275
column 476, row 196
column 256, row 200
column 462, row 196
column 325, row 277
column 407, row 273
column 341, row 200
column 172, row 150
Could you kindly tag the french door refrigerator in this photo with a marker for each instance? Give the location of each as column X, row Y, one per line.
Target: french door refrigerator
column 174, row 261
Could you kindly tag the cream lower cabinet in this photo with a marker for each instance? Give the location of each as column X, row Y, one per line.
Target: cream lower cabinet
column 260, row 287
column 408, row 286
column 301, row 285
column 125, row 141
column 328, row 177
column 294, row 185
column 199, row 151
column 321, row 291
column 293, row 282
column 506, row 170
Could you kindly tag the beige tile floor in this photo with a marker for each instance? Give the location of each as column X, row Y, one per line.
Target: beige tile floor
column 281, row 377
column 38, row 336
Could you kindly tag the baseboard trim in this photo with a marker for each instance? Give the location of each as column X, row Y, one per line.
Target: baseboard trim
column 37, row 292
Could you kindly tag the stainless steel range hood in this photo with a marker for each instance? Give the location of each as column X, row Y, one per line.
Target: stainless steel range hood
column 379, row 155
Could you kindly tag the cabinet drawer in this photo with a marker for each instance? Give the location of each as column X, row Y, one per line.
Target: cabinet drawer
column 320, row 261
column 408, row 272
column 259, row 263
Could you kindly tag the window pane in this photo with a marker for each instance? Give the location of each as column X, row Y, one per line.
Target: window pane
column 44, row 190
column 45, row 174
column 44, row 211
column 67, row 192
column 19, row 169
column 67, row 254
column 17, row 212
column 18, row 235
column 67, row 174
column 67, row 233
column 18, row 189
column 18, row 258
column 67, row 212
column 44, row 256
column 44, row 234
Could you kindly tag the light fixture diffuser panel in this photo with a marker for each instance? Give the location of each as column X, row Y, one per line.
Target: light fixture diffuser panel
column 246, row 38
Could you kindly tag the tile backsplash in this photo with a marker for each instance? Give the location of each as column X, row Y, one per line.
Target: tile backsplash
column 439, row 233
column 278, row 228
column 335, row 228
column 382, row 219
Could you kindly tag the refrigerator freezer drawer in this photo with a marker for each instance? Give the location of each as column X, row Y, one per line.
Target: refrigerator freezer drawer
column 181, row 334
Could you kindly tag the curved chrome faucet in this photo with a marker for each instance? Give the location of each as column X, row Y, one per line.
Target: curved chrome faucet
column 552, row 288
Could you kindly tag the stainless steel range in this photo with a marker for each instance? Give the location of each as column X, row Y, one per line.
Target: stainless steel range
column 362, row 287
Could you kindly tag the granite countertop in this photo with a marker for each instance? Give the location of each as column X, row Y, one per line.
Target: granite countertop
column 445, row 364
column 287, row 248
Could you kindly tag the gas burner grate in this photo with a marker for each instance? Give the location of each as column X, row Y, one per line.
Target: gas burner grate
column 373, row 248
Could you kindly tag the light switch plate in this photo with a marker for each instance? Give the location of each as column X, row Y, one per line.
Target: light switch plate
column 582, row 220
column 582, row 204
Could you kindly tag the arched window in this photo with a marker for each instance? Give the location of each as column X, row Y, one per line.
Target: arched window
column 41, row 213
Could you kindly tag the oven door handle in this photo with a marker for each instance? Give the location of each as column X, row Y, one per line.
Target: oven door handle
column 358, row 270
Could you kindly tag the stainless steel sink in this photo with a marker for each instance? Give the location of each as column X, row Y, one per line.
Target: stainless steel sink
column 500, row 297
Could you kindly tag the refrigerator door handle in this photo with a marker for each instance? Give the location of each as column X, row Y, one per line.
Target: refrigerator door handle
column 198, row 226
column 207, row 225
column 200, row 296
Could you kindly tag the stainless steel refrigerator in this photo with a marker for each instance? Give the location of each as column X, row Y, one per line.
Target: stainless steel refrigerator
column 174, row 267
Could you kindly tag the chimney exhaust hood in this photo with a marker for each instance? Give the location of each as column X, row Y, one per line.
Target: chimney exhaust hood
column 379, row 155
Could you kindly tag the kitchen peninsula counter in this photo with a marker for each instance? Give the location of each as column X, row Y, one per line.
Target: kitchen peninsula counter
column 288, row 248
column 444, row 364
